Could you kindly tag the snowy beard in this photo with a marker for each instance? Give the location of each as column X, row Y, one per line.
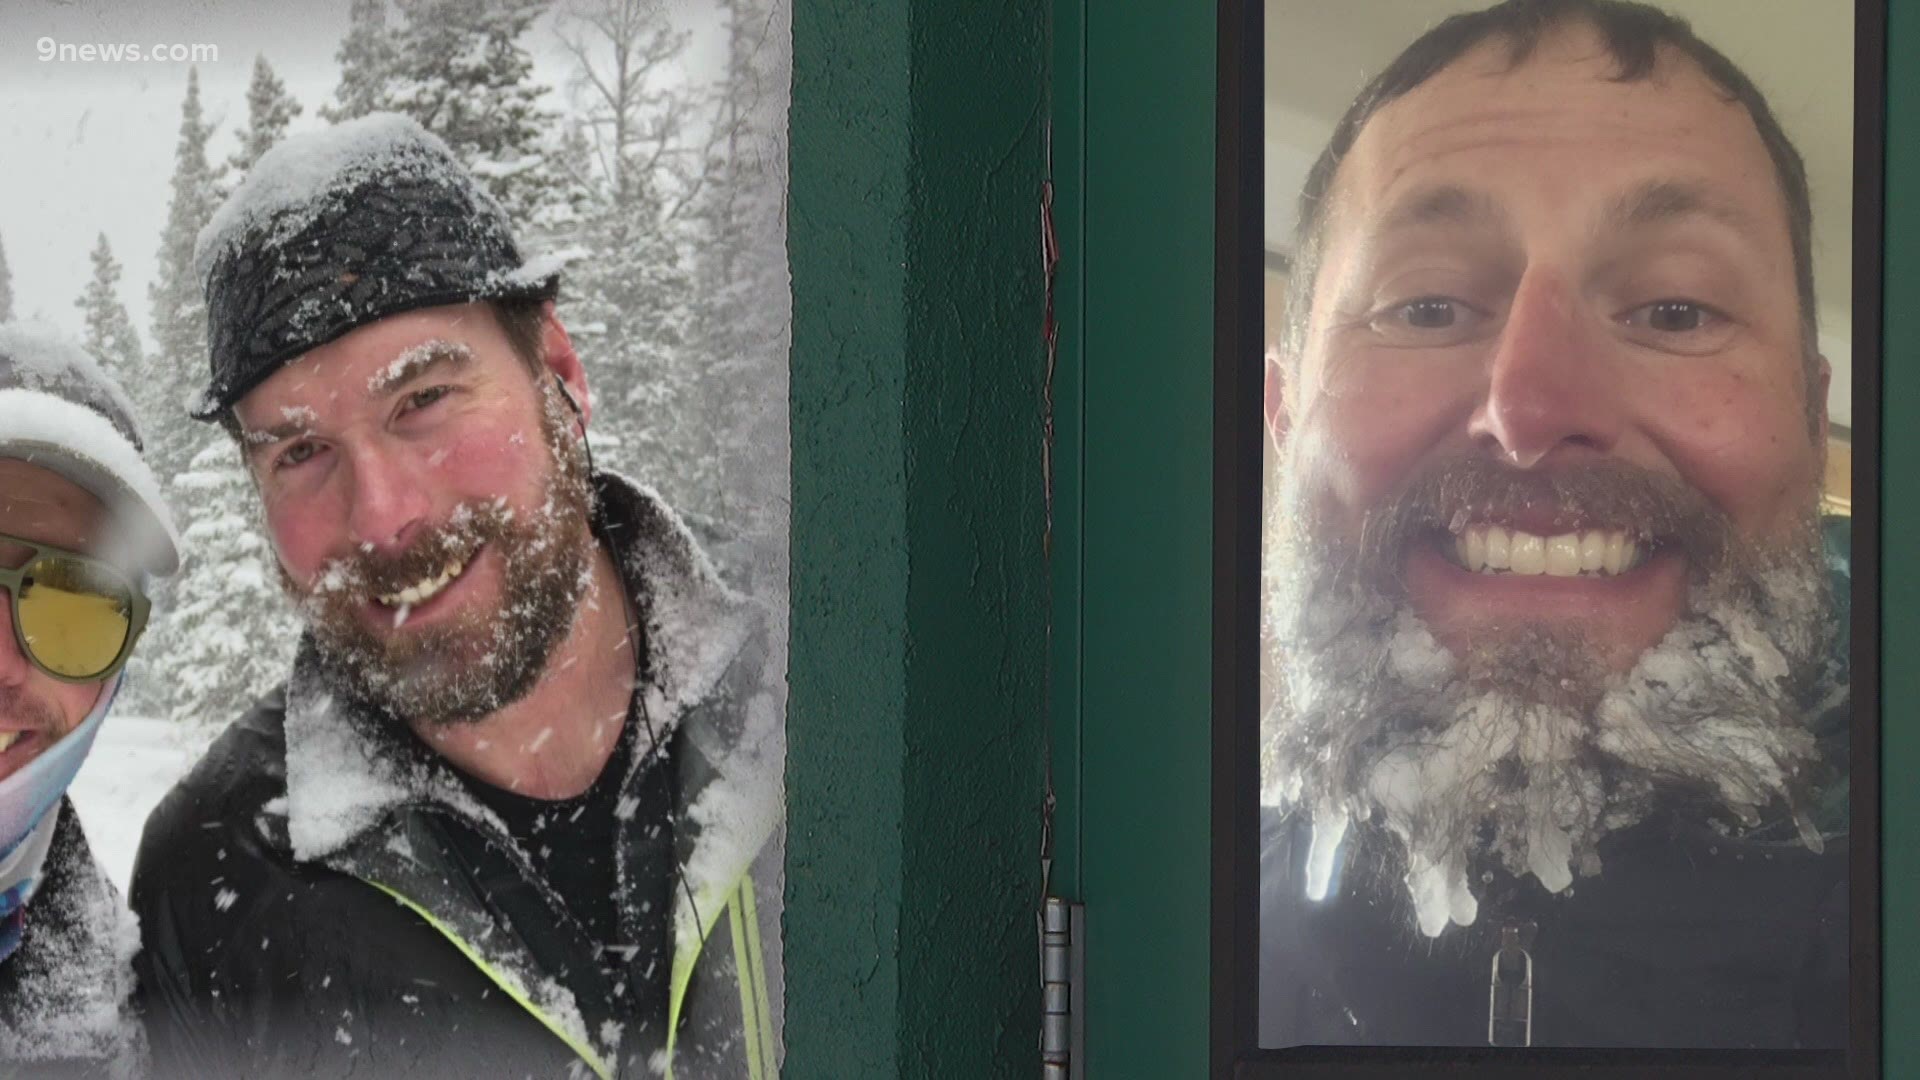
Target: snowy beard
column 472, row 666
column 1525, row 752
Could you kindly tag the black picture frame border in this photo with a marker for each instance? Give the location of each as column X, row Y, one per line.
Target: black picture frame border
column 1239, row 389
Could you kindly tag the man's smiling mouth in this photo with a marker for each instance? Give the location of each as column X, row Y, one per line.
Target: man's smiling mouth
column 427, row 588
column 1487, row 548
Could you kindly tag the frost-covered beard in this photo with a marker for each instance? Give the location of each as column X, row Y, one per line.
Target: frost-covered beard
column 469, row 667
column 1525, row 752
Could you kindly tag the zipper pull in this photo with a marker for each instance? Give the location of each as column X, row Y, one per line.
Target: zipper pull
column 1510, row 993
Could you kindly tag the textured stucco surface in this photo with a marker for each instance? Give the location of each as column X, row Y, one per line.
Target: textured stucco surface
column 918, row 636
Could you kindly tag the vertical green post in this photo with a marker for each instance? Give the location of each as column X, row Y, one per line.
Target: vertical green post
column 918, row 634
column 1146, row 535
column 1899, row 575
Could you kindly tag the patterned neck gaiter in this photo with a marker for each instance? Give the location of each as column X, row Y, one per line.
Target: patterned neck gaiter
column 28, row 799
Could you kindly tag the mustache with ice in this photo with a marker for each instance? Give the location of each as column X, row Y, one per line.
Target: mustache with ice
column 463, row 668
column 367, row 576
column 1524, row 751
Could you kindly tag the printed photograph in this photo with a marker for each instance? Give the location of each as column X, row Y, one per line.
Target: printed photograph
column 393, row 537
column 1556, row 560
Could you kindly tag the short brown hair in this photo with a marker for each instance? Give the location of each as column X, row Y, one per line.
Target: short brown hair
column 1633, row 34
column 524, row 321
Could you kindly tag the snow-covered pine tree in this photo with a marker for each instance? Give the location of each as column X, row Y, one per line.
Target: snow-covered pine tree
column 461, row 71
column 230, row 631
column 110, row 335
column 629, row 296
column 112, row 340
column 628, row 159
column 366, row 58
column 179, row 358
column 177, row 369
column 6, row 286
column 226, row 632
column 269, row 110
column 741, row 313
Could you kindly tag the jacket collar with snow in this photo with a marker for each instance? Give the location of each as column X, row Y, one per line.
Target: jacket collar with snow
column 63, row 995
column 352, row 776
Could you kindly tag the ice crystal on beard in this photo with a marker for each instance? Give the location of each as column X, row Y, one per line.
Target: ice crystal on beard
column 467, row 668
column 1376, row 719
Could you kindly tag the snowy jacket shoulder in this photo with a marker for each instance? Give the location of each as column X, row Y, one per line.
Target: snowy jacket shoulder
column 322, row 896
column 64, row 994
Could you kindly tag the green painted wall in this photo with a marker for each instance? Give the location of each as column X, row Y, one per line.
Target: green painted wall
column 918, row 635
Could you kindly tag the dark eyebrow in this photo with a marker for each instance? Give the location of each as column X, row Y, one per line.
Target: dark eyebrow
column 1659, row 202
column 1446, row 204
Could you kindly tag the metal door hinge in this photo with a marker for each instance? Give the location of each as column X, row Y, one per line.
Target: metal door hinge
column 1510, row 994
column 1062, row 990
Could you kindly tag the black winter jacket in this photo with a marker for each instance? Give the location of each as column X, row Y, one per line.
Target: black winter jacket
column 321, row 896
column 64, row 992
column 1685, row 939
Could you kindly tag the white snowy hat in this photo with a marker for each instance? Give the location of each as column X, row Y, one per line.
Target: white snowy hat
column 59, row 410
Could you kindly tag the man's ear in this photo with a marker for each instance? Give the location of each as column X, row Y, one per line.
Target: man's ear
column 1276, row 396
column 557, row 349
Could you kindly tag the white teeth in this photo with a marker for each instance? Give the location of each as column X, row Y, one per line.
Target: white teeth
column 1528, row 554
column 1563, row 555
column 1593, row 552
column 1499, row 550
column 1616, row 550
column 424, row 590
column 8, row 738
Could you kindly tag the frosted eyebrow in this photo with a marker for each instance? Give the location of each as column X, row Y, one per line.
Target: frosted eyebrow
column 411, row 364
column 417, row 361
column 295, row 422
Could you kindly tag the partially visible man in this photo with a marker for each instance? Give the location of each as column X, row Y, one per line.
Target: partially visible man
column 516, row 809
column 1558, row 751
column 82, row 528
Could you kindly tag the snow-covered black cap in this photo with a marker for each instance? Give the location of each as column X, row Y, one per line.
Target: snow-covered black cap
column 60, row 411
column 335, row 229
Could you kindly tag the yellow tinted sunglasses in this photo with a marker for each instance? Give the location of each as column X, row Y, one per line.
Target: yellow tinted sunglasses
column 76, row 618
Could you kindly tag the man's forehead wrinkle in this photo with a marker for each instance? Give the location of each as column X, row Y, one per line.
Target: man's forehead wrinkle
column 1399, row 149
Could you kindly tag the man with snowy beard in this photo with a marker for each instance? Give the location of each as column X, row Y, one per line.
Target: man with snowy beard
column 516, row 809
column 1556, row 752
column 82, row 528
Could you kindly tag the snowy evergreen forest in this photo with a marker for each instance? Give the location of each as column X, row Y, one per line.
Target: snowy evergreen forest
column 663, row 184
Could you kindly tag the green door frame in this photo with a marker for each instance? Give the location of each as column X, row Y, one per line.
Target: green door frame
column 916, row 709
column 1900, row 578
column 1133, row 158
column 1133, row 162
